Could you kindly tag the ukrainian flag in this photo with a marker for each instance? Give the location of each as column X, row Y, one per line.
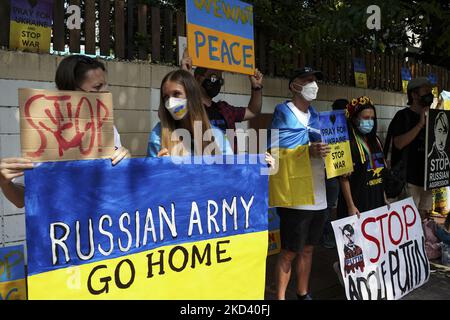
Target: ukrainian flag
column 292, row 185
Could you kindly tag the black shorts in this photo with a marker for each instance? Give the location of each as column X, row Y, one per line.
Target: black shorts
column 300, row 227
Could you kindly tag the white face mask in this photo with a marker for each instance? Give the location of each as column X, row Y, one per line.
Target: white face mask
column 309, row 91
column 177, row 107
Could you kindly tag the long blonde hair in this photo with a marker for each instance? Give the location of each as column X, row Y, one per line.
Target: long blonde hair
column 196, row 112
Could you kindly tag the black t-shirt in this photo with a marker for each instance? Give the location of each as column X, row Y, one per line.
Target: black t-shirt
column 404, row 121
column 366, row 182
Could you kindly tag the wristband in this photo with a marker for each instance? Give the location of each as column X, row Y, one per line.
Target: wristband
column 257, row 88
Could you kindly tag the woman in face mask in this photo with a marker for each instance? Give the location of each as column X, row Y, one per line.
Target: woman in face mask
column 183, row 120
column 363, row 189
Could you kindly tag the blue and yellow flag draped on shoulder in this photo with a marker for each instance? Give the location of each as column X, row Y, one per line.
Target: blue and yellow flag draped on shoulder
column 292, row 185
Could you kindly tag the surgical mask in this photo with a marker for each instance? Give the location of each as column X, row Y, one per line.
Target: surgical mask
column 427, row 100
column 309, row 91
column 212, row 88
column 366, row 126
column 177, row 107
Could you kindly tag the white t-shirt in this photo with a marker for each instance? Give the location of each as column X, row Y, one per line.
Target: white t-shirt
column 317, row 167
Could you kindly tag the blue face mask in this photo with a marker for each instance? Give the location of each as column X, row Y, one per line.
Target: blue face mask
column 366, row 126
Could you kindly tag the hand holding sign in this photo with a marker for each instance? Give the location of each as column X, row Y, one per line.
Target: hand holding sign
column 256, row 79
column 186, row 61
column 11, row 168
column 423, row 117
column 319, row 149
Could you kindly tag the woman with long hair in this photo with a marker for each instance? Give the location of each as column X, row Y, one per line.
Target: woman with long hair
column 184, row 128
column 363, row 189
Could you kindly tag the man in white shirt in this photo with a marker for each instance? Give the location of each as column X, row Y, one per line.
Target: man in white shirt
column 301, row 227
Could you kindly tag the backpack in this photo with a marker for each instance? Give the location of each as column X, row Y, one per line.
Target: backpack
column 395, row 177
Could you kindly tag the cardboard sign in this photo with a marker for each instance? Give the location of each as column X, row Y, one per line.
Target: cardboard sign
column 146, row 228
column 333, row 128
column 65, row 125
column 360, row 73
column 382, row 254
column 406, row 78
column 437, row 164
column 12, row 273
column 220, row 35
column 31, row 25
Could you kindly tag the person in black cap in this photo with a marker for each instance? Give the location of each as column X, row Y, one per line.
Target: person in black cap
column 301, row 226
column 408, row 133
column 221, row 114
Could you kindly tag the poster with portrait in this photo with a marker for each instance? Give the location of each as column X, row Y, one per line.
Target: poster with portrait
column 437, row 164
column 382, row 253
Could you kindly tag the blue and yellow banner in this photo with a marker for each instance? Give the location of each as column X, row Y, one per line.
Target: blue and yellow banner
column 434, row 81
column 220, row 35
column 360, row 73
column 292, row 185
column 333, row 127
column 406, row 78
column 146, row 229
column 12, row 273
column 31, row 25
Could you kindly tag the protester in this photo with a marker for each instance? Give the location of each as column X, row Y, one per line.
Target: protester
column 221, row 114
column 181, row 107
column 363, row 189
column 408, row 132
column 74, row 73
column 332, row 187
column 301, row 226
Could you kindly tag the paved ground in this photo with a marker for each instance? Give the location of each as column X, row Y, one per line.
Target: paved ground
column 325, row 284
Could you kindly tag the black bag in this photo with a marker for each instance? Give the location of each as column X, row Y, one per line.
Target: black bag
column 394, row 178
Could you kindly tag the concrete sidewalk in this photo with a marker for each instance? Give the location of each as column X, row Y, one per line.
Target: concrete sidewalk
column 325, row 284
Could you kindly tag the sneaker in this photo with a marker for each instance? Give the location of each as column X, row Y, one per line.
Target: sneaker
column 305, row 297
column 337, row 269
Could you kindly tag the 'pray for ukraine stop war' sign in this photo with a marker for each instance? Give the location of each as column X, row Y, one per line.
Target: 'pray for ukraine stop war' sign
column 437, row 164
column 146, row 229
column 220, row 35
column 333, row 129
column 31, row 25
column 382, row 254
